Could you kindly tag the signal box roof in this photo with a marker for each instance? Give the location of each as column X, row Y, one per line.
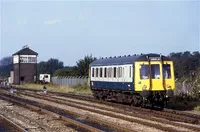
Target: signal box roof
column 26, row 51
column 127, row 59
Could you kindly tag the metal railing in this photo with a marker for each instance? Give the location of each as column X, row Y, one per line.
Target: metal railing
column 69, row 80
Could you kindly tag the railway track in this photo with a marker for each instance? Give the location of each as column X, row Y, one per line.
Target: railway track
column 172, row 115
column 6, row 125
column 118, row 111
column 192, row 118
column 131, row 111
column 87, row 122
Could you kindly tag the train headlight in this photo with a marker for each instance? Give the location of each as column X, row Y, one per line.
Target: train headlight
column 144, row 87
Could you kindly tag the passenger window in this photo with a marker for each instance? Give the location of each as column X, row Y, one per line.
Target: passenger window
column 118, row 72
column 97, row 74
column 101, row 72
column 144, row 72
column 123, row 72
column 155, row 71
column 105, row 72
column 166, row 71
column 109, row 72
column 92, row 72
column 115, row 70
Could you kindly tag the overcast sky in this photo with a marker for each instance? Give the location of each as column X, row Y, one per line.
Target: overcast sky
column 70, row 30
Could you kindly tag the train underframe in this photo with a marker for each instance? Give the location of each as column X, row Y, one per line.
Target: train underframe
column 143, row 99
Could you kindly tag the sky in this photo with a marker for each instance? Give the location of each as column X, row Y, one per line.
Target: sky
column 69, row 30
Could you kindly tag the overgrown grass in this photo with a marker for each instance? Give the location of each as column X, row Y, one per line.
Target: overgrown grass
column 79, row 89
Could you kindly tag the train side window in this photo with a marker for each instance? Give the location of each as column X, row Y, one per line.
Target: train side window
column 101, row 72
column 166, row 71
column 118, row 72
column 105, row 72
column 109, row 72
column 92, row 72
column 155, row 71
column 144, row 72
column 130, row 72
column 123, row 72
column 115, row 72
column 97, row 74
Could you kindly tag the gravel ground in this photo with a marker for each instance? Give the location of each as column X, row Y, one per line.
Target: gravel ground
column 134, row 126
column 34, row 121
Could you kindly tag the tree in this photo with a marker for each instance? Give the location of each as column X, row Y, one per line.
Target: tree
column 5, row 66
column 83, row 65
column 66, row 72
column 185, row 63
column 50, row 66
column 6, row 61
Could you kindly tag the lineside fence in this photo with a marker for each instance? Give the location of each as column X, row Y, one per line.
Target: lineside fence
column 69, row 80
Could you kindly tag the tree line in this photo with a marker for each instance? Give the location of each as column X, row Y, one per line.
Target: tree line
column 186, row 65
column 53, row 66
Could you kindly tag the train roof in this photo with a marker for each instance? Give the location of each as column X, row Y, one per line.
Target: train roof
column 126, row 59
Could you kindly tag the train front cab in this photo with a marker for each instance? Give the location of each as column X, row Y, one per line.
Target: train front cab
column 154, row 80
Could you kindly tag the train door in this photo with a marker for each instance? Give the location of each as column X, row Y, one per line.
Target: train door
column 148, row 76
column 168, row 75
column 141, row 76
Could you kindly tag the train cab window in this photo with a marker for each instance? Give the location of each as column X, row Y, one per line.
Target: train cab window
column 105, row 72
column 155, row 71
column 144, row 72
column 101, row 72
column 115, row 72
column 130, row 72
column 92, row 72
column 97, row 74
column 166, row 71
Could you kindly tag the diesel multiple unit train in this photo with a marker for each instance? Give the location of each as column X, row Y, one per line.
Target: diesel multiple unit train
column 138, row 79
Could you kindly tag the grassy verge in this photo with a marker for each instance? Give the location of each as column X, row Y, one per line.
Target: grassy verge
column 79, row 89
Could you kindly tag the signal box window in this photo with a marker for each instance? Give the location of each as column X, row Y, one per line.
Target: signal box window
column 166, row 71
column 155, row 71
column 144, row 72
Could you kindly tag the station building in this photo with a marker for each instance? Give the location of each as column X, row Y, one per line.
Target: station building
column 24, row 66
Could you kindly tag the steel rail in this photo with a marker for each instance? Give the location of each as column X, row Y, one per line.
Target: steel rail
column 11, row 123
column 63, row 101
column 112, row 125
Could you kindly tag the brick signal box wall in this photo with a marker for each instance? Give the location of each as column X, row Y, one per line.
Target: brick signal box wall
column 24, row 66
